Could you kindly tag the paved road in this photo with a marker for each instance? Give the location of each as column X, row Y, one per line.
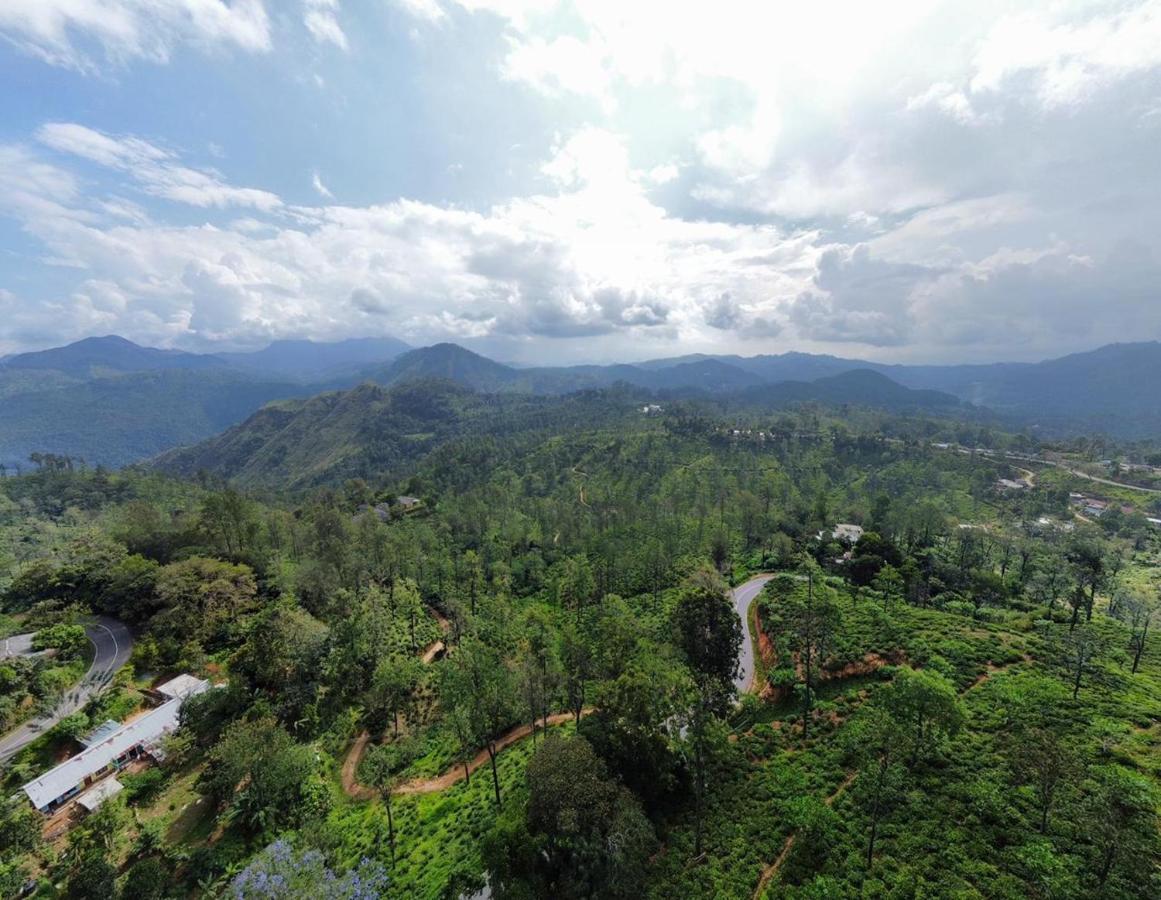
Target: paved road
column 113, row 644
column 16, row 645
column 744, row 595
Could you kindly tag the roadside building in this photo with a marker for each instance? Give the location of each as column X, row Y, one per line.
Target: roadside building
column 95, row 796
column 108, row 750
column 847, row 533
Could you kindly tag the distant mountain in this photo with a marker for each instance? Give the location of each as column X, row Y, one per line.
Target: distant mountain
column 1111, row 390
column 454, row 363
column 118, row 420
column 96, row 356
column 1107, row 390
column 112, row 401
column 372, row 430
column 314, row 360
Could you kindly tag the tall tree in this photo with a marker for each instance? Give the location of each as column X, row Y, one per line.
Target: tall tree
column 925, row 705
column 1045, row 762
column 477, row 680
column 709, row 634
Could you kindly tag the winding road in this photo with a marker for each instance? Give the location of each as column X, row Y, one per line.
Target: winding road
column 113, row 644
column 744, row 595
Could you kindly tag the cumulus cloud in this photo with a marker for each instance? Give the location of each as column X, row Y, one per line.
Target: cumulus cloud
column 319, row 188
column 322, row 22
column 62, row 32
column 593, row 256
column 156, row 170
column 1069, row 57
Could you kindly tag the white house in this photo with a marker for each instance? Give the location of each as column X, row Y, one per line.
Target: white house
column 110, row 749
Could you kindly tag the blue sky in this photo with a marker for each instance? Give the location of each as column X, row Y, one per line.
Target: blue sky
column 583, row 181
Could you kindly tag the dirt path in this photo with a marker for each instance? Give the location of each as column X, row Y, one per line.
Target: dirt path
column 580, row 474
column 772, row 870
column 455, row 774
column 351, row 786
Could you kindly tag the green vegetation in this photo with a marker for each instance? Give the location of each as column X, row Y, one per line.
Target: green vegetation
column 527, row 679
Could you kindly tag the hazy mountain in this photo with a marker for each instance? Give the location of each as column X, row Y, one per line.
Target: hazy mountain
column 123, row 419
column 370, row 430
column 112, row 401
column 453, row 363
column 1111, row 390
column 1106, row 390
column 313, row 360
column 96, row 356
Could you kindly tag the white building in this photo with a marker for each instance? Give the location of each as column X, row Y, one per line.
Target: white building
column 847, row 533
column 112, row 749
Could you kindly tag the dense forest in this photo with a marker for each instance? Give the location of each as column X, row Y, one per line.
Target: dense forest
column 467, row 645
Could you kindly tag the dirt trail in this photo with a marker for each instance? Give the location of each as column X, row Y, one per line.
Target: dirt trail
column 771, row 870
column 442, row 782
column 456, row 773
column 576, row 471
column 351, row 786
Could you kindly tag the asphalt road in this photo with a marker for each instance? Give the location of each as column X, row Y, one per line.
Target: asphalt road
column 113, row 644
column 744, row 595
column 16, row 645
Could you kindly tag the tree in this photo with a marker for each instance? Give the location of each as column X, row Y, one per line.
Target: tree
column 477, row 681
column 925, row 706
column 68, row 640
column 1120, row 815
column 1138, row 614
column 392, row 685
column 709, row 634
column 539, row 666
column 889, row 584
column 1077, row 649
column 20, row 829
column 1046, row 763
column 382, row 767
column 629, row 727
column 811, row 617
column 1048, row 584
column 578, row 664
column 1087, row 555
column 875, row 739
column 148, row 879
column 204, row 599
column 264, row 776
column 590, row 836
column 282, row 873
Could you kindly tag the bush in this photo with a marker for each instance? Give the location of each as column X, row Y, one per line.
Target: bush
column 143, row 786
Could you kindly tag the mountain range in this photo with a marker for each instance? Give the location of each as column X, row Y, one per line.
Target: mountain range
column 113, row 402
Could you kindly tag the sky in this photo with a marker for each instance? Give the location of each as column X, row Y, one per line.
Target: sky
column 577, row 181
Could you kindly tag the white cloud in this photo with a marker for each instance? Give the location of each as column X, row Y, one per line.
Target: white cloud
column 948, row 99
column 321, row 189
column 322, row 22
column 61, row 31
column 428, row 10
column 1068, row 57
column 156, row 170
column 593, row 256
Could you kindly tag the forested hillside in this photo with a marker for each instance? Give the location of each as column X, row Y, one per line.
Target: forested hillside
column 504, row 651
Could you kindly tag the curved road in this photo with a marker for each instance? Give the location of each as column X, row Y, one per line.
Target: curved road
column 744, row 595
column 113, row 644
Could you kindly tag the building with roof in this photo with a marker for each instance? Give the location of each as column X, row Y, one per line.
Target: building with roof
column 102, row 791
column 112, row 749
column 847, row 533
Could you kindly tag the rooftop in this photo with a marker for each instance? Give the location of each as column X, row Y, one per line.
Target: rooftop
column 72, row 772
column 98, row 794
column 182, row 686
